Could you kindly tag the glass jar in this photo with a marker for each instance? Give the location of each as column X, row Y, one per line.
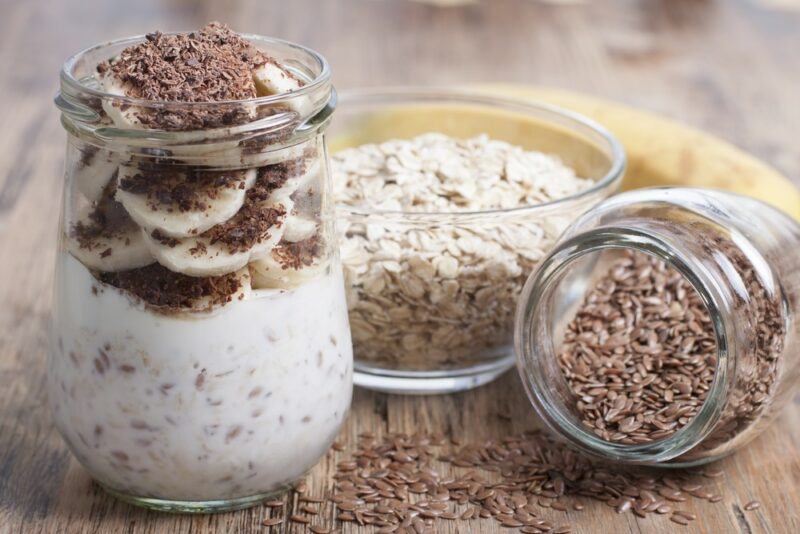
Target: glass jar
column 741, row 258
column 432, row 295
column 201, row 356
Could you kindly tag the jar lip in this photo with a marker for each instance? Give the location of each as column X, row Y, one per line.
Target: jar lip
column 553, row 414
column 68, row 79
column 399, row 94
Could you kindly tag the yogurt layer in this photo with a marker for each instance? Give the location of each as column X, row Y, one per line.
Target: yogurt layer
column 234, row 402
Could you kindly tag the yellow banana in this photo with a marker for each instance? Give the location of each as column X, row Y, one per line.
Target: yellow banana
column 660, row 151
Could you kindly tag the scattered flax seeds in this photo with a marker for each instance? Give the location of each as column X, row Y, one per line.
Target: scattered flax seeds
column 641, row 353
column 397, row 483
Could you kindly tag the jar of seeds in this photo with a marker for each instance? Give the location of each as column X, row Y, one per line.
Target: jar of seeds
column 662, row 327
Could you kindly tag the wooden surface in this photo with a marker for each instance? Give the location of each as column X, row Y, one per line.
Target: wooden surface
column 730, row 67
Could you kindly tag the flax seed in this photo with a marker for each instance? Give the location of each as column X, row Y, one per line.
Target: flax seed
column 752, row 505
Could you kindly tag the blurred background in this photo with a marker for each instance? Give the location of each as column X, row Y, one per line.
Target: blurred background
column 728, row 66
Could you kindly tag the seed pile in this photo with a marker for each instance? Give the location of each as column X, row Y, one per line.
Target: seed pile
column 641, row 353
column 397, row 483
column 758, row 371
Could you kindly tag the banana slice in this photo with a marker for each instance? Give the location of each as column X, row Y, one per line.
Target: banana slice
column 289, row 265
column 127, row 116
column 226, row 247
column 299, row 228
column 106, row 239
column 295, row 175
column 181, row 202
column 122, row 116
column 244, row 291
column 273, row 79
column 93, row 171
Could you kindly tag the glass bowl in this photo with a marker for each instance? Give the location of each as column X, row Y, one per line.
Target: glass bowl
column 432, row 295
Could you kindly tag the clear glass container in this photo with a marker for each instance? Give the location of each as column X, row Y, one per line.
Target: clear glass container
column 428, row 318
column 201, row 356
column 741, row 257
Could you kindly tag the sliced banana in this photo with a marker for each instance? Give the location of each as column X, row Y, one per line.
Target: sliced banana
column 243, row 293
column 122, row 116
column 299, row 228
column 105, row 239
column 93, row 171
column 283, row 267
column 218, row 196
column 272, row 79
column 126, row 116
column 208, row 254
column 303, row 175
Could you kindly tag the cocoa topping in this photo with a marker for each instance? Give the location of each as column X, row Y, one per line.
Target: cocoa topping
column 254, row 220
column 107, row 219
column 162, row 288
column 298, row 255
column 213, row 64
column 183, row 189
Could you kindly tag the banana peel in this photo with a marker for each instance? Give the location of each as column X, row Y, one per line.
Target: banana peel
column 661, row 152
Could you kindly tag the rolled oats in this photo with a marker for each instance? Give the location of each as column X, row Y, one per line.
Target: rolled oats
column 437, row 292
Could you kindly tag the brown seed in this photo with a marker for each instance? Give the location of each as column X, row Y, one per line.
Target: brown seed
column 752, row 505
column 679, row 519
column 299, row 519
column 274, row 504
column 272, row 521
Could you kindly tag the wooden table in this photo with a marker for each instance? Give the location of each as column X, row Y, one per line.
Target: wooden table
column 730, row 67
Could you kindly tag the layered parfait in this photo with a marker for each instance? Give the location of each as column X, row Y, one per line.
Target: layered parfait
column 201, row 350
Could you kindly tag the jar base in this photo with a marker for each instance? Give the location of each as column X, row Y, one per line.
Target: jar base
column 429, row 382
column 194, row 507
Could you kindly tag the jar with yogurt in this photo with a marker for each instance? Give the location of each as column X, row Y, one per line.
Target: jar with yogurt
column 201, row 357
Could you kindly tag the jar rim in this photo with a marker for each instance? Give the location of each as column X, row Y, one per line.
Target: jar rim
column 716, row 301
column 398, row 94
column 69, row 80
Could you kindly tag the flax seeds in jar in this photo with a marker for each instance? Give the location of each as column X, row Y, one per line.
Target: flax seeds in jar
column 662, row 328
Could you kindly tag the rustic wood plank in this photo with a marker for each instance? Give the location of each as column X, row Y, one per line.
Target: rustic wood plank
column 729, row 67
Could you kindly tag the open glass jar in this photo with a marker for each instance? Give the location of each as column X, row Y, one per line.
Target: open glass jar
column 432, row 294
column 201, row 356
column 738, row 255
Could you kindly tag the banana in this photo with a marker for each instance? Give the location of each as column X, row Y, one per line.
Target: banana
column 243, row 293
column 126, row 116
column 104, row 238
column 221, row 250
column 288, row 265
column 273, row 79
column 215, row 197
column 93, row 171
column 299, row 228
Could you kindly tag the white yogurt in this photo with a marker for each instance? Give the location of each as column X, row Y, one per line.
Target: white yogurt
column 206, row 406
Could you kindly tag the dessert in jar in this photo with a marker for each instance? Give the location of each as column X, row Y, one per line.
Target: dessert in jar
column 662, row 329
column 201, row 356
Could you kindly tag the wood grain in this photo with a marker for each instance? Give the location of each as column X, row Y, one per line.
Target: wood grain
column 730, row 67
